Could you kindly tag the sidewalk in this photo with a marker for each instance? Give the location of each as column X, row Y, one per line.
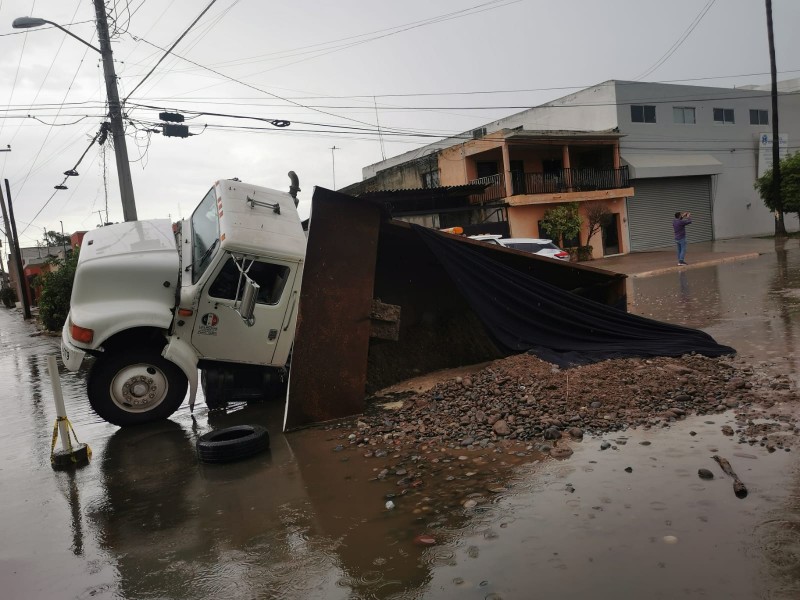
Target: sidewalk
column 702, row 254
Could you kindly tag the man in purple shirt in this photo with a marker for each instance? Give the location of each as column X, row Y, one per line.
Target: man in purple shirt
column 679, row 224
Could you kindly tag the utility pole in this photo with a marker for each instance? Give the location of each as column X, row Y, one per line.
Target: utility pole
column 7, row 232
column 115, row 114
column 63, row 240
column 780, row 226
column 23, row 297
column 333, row 159
column 11, row 246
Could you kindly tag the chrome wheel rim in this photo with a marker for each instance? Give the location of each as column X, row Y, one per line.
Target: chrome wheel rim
column 138, row 388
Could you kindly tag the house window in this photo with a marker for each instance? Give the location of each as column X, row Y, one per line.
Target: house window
column 759, row 117
column 643, row 113
column 478, row 133
column 724, row 115
column 430, row 180
column 683, row 114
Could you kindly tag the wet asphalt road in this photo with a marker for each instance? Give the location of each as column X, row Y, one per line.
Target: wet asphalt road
column 146, row 520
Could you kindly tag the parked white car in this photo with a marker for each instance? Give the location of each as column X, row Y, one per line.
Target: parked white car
column 538, row 246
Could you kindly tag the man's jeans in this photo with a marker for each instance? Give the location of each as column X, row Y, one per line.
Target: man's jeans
column 681, row 249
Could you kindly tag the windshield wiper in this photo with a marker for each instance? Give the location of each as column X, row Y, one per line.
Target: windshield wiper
column 206, row 254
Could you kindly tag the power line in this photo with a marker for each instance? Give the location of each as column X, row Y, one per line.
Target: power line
column 750, row 94
column 323, row 48
column 261, row 90
column 680, row 40
column 36, row 157
column 60, row 186
column 167, row 52
column 43, row 27
column 210, row 99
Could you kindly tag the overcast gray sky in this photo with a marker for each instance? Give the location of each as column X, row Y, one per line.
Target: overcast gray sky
column 420, row 69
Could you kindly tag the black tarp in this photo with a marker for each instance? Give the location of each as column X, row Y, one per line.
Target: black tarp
column 523, row 313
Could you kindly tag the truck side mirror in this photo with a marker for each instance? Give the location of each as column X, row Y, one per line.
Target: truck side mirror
column 247, row 306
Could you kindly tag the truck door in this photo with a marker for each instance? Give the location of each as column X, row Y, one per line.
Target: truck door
column 220, row 333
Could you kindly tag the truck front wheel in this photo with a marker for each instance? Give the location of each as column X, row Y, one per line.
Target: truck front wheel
column 134, row 387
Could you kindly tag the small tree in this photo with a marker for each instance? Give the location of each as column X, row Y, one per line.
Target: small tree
column 562, row 222
column 597, row 215
column 56, row 292
column 790, row 185
column 53, row 238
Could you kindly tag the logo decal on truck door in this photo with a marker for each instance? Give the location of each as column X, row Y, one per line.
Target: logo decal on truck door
column 208, row 324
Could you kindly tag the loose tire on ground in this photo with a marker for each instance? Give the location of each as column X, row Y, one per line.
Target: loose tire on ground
column 232, row 443
column 135, row 387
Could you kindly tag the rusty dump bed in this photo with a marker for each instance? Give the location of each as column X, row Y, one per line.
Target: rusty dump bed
column 377, row 307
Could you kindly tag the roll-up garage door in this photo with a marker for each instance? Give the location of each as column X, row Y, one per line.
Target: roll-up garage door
column 651, row 210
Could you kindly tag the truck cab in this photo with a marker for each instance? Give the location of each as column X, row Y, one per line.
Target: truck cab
column 218, row 292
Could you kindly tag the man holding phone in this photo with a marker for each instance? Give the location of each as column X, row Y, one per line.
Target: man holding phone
column 679, row 223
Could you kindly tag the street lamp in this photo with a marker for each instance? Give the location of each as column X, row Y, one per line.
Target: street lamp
column 29, row 22
column 114, row 107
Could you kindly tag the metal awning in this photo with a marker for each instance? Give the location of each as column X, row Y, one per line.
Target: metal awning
column 647, row 166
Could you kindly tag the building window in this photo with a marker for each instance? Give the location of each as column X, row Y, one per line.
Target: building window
column 643, row 113
column 478, row 133
column 724, row 115
column 430, row 180
column 683, row 114
column 759, row 117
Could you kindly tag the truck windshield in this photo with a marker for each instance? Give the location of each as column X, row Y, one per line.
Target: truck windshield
column 205, row 233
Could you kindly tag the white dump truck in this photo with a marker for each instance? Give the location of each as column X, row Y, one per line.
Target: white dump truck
column 154, row 302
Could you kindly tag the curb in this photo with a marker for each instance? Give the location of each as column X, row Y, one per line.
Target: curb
column 695, row 265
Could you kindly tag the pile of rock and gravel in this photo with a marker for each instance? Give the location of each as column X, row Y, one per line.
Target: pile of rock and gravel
column 524, row 399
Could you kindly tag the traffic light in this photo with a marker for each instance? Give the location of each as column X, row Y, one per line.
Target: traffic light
column 171, row 117
column 175, row 130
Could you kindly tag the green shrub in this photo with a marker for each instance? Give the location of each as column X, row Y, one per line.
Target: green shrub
column 56, row 293
column 8, row 297
column 562, row 222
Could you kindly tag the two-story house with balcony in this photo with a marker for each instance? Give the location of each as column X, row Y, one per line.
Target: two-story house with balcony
column 644, row 150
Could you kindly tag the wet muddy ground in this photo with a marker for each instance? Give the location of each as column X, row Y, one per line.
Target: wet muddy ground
column 309, row 519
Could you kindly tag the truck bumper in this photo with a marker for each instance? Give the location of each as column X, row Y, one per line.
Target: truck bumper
column 71, row 355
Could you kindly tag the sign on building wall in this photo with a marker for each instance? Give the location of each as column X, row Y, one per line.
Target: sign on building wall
column 765, row 150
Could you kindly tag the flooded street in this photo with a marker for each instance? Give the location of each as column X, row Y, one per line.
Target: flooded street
column 309, row 519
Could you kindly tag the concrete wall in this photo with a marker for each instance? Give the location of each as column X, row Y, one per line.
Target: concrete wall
column 737, row 209
column 453, row 166
column 591, row 109
column 524, row 222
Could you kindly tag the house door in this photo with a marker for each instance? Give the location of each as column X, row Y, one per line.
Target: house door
column 486, row 169
column 610, row 234
column 518, row 177
column 552, row 176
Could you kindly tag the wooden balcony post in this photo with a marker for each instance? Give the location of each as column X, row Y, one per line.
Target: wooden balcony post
column 509, row 184
column 566, row 166
column 617, row 162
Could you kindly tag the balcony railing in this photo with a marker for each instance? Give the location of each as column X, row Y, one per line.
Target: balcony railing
column 571, row 180
column 554, row 182
column 495, row 190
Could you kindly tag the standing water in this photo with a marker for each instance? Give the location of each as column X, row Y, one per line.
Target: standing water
column 312, row 519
